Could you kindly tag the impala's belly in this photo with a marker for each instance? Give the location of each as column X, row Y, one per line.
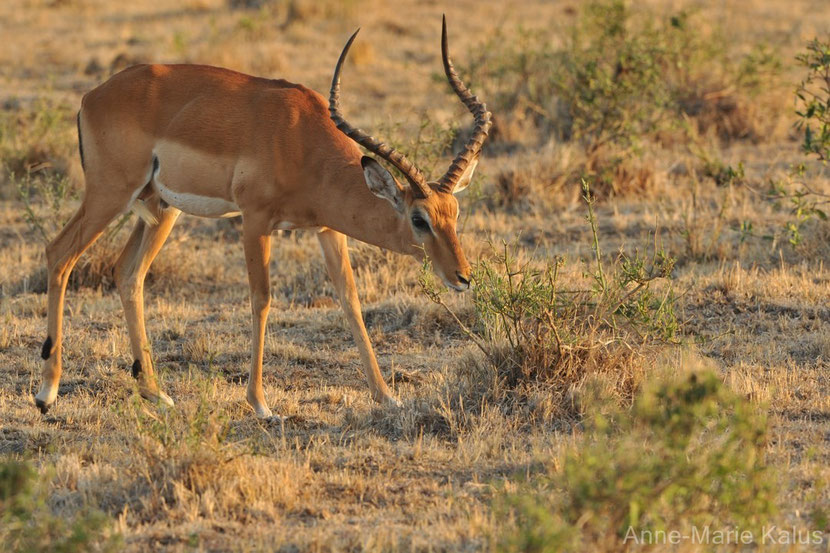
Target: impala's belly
column 194, row 182
column 194, row 204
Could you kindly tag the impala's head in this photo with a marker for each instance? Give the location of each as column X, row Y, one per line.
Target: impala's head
column 428, row 209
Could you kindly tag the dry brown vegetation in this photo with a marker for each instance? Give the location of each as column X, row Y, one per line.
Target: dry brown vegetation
column 713, row 189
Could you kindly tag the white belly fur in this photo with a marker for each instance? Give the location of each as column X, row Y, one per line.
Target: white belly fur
column 203, row 206
column 198, row 168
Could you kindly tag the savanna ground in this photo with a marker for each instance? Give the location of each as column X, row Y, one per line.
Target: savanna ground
column 526, row 437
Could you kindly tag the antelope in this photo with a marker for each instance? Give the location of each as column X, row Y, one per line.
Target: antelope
column 159, row 140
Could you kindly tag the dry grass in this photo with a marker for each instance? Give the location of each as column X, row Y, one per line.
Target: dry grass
column 341, row 473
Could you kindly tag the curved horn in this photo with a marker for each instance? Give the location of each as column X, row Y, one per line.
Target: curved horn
column 412, row 174
column 478, row 109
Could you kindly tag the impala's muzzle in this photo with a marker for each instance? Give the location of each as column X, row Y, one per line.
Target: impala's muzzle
column 448, row 260
column 461, row 283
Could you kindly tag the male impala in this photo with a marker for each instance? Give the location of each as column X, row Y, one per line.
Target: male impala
column 162, row 139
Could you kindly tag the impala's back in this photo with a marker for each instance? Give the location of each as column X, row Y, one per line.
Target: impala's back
column 201, row 133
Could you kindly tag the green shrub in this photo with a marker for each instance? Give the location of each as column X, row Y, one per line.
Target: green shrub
column 689, row 453
column 538, row 331
column 814, row 98
column 803, row 204
column 28, row 525
column 39, row 139
column 44, row 196
column 621, row 78
column 622, row 75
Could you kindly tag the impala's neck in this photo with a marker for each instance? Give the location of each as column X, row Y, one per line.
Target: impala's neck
column 348, row 206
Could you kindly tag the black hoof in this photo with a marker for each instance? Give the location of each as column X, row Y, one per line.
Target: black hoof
column 42, row 406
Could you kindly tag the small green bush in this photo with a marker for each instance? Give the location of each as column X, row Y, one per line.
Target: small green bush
column 36, row 139
column 44, row 196
column 689, row 453
column 617, row 79
column 27, row 525
column 538, row 331
column 814, row 98
column 622, row 76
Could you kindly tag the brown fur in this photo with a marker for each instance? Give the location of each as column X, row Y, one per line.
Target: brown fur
column 267, row 146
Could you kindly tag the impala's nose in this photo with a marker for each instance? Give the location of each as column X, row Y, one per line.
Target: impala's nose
column 465, row 282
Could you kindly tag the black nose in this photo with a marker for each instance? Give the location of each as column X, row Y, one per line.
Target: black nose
column 461, row 279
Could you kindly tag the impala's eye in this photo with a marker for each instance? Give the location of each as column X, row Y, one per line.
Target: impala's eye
column 420, row 223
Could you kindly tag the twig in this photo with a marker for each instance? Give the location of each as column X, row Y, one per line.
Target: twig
column 470, row 334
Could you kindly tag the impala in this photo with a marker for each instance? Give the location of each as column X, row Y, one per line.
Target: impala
column 161, row 139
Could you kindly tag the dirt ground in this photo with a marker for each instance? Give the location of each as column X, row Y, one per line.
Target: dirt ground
column 341, row 473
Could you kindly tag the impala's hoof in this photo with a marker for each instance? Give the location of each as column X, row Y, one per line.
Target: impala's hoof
column 274, row 420
column 46, row 397
column 262, row 412
column 391, row 401
column 165, row 399
column 257, row 403
column 159, row 398
column 44, row 408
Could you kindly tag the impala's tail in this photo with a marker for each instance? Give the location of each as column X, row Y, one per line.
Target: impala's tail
column 80, row 141
column 137, row 204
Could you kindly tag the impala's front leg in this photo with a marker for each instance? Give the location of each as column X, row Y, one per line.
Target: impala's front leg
column 336, row 254
column 257, row 241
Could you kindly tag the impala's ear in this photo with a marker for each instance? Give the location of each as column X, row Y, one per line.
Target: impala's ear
column 466, row 177
column 382, row 183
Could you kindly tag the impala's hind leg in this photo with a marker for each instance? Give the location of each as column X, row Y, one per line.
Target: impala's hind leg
column 83, row 229
column 144, row 244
